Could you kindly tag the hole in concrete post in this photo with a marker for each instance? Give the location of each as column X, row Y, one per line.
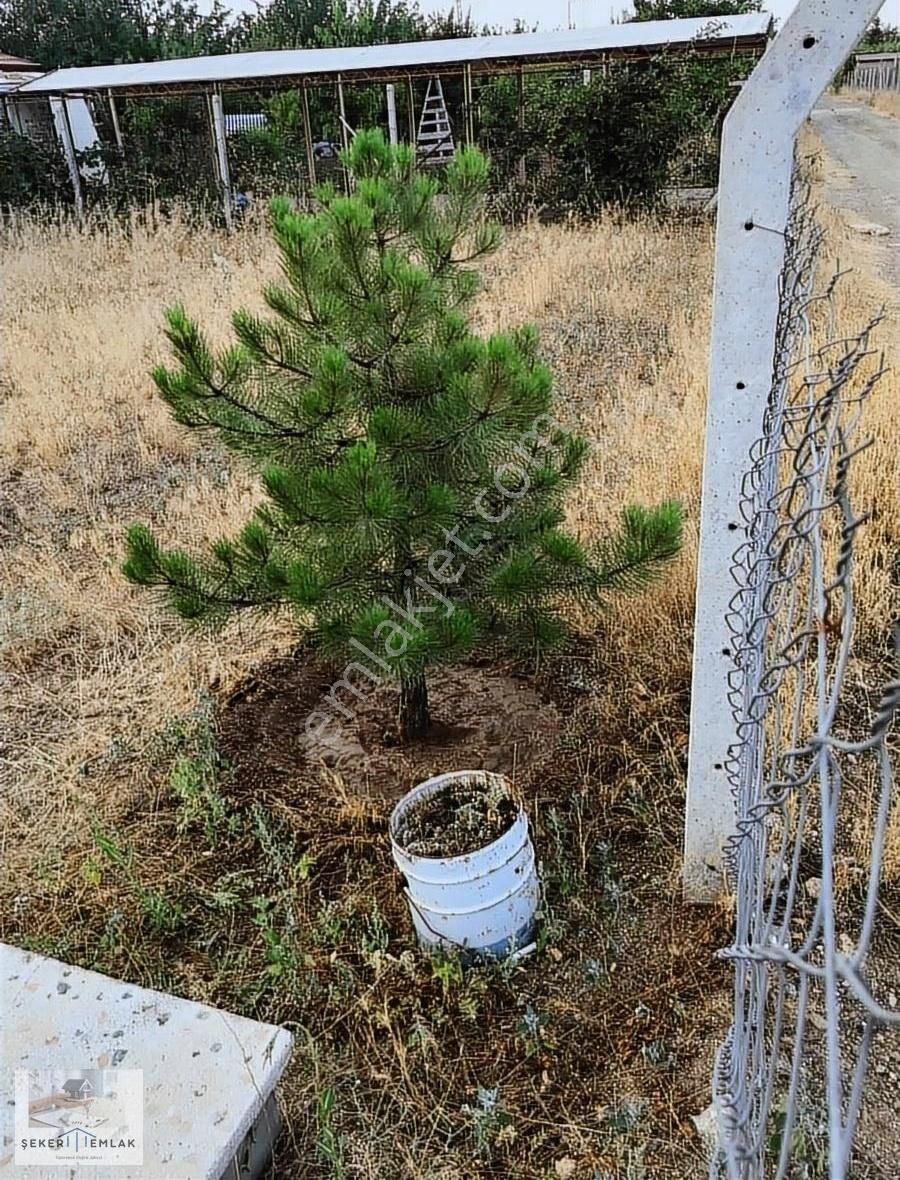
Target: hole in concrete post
column 808, row 42
column 740, row 385
column 748, row 225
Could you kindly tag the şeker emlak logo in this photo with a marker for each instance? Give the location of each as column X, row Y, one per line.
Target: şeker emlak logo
column 83, row 1116
column 78, row 1139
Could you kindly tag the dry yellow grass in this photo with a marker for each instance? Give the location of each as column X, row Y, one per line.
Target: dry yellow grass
column 92, row 667
column 624, row 312
column 876, row 490
column 88, row 447
column 886, row 102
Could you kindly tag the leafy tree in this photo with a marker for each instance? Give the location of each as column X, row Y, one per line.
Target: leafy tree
column 167, row 155
column 414, row 478
column 57, row 33
column 673, row 9
column 614, row 140
column 177, row 28
column 620, row 137
column 29, row 172
column 880, row 38
column 262, row 161
column 304, row 24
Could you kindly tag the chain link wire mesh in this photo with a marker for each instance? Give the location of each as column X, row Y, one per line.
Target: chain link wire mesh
column 811, row 770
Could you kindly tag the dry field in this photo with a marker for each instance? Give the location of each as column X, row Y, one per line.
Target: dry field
column 146, row 835
column 886, row 102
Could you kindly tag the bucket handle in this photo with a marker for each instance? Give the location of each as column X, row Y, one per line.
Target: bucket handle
column 440, row 937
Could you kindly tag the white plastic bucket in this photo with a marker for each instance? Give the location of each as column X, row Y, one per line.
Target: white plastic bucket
column 483, row 902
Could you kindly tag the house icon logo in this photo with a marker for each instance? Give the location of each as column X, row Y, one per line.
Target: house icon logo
column 57, row 1125
column 76, row 1138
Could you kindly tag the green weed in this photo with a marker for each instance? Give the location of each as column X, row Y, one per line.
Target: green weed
column 164, row 915
column 487, row 1120
column 328, row 1142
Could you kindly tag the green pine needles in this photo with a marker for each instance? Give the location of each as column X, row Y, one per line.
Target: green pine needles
column 414, row 473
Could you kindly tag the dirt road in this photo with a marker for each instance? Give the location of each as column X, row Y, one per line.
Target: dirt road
column 862, row 174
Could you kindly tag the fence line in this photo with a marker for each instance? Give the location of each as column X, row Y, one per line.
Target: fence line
column 753, row 204
column 876, row 71
column 808, row 1014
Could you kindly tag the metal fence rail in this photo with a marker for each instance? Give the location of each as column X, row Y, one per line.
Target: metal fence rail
column 789, row 1078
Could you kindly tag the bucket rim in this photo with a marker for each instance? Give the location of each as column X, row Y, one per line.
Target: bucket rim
column 431, row 786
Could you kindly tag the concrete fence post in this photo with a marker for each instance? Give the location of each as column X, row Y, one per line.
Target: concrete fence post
column 756, row 170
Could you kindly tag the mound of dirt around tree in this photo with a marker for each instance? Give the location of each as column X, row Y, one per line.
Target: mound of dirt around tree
column 483, row 718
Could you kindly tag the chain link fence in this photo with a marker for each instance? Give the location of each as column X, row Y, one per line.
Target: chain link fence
column 811, row 771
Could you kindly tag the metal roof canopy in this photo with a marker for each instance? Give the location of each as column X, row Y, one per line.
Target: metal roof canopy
column 11, row 64
column 383, row 63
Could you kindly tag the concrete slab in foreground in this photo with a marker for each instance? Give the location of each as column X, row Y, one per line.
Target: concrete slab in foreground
column 71, row 1043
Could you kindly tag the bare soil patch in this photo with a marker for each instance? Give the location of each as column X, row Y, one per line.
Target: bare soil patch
column 483, row 717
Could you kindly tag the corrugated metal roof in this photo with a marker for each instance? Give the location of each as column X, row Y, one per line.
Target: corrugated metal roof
column 484, row 54
column 12, row 65
column 12, row 77
column 14, row 71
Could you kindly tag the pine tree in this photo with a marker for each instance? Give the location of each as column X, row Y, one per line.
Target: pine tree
column 414, row 476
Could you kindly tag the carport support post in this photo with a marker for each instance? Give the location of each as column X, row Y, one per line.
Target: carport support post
column 307, row 137
column 756, row 169
column 391, row 98
column 114, row 115
column 63, row 127
column 521, row 122
column 217, row 126
column 345, row 141
column 413, row 138
column 12, row 115
column 345, row 138
column 467, row 103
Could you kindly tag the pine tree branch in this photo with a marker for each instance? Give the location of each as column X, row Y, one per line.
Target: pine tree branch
column 220, row 393
column 281, row 363
column 279, row 430
column 165, row 581
column 345, row 228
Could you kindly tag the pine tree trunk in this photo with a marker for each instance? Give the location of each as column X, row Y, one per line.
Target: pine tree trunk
column 414, row 718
